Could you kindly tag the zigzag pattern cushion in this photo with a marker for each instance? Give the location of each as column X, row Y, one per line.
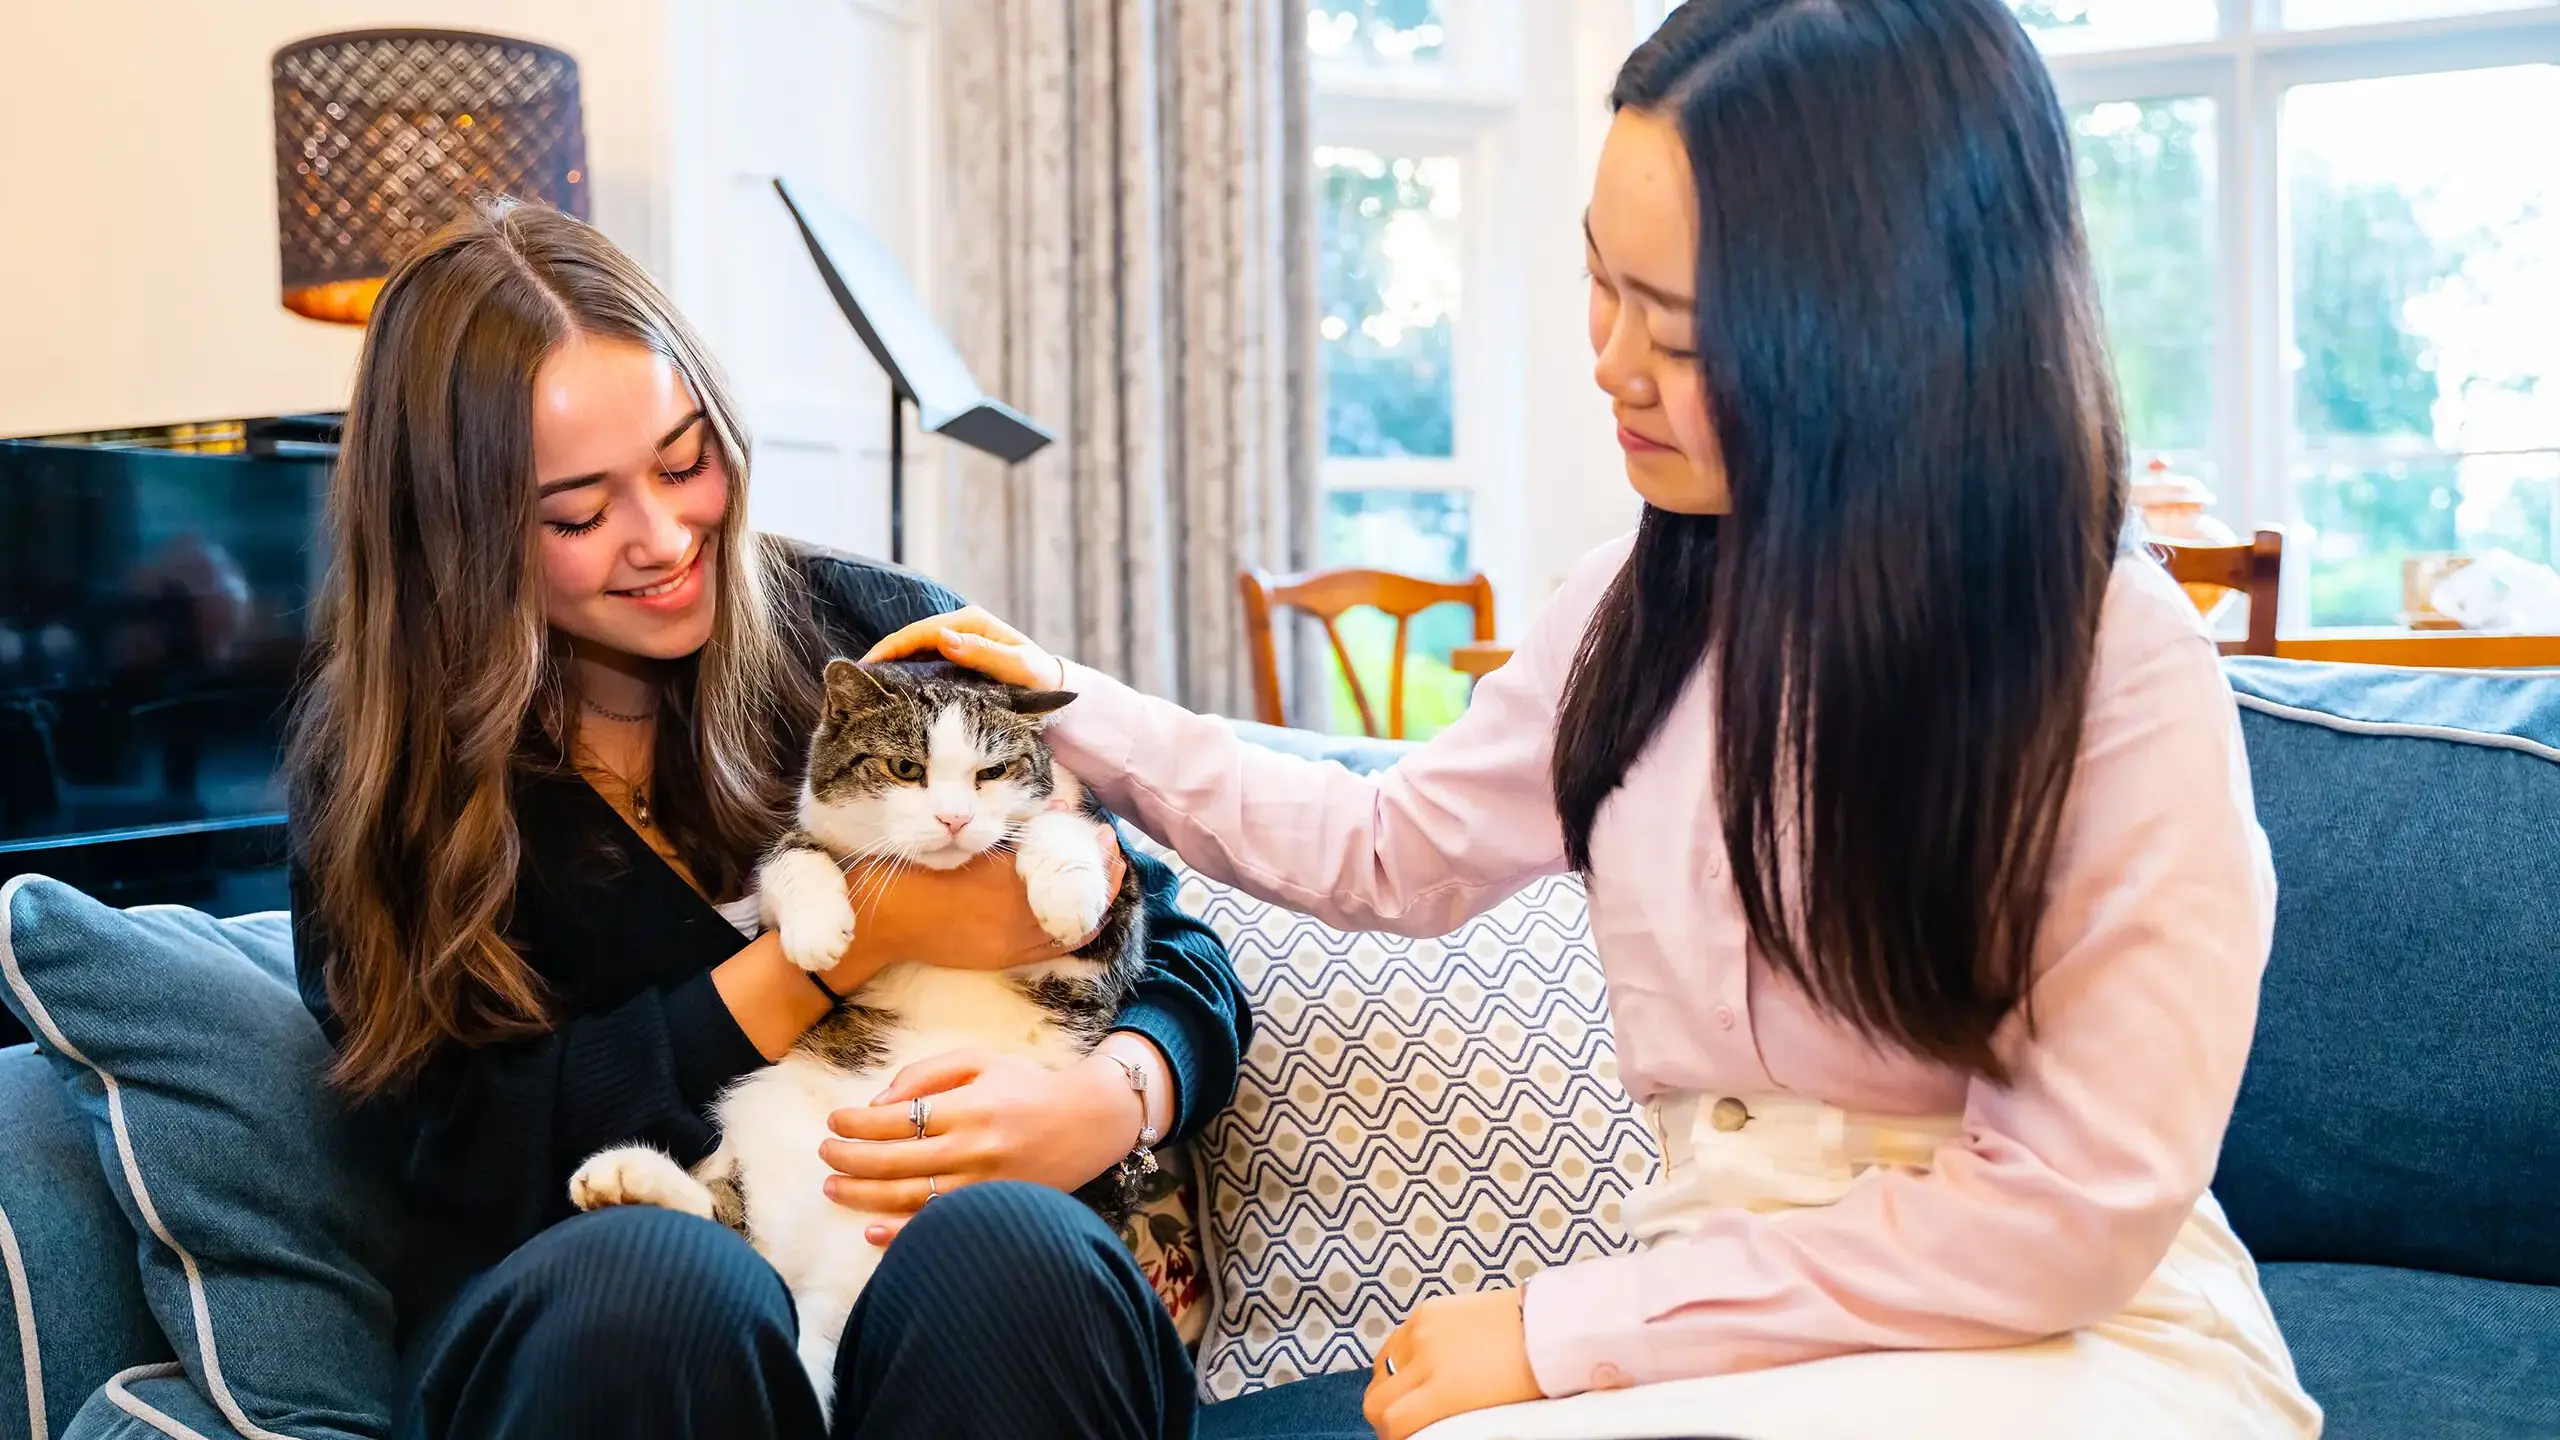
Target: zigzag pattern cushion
column 1416, row 1118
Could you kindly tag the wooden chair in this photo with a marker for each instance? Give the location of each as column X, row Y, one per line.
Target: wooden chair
column 1325, row 595
column 2254, row 569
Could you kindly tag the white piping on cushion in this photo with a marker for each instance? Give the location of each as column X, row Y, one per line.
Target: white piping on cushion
column 41, row 1019
column 143, row 1410
column 26, row 1298
column 2396, row 729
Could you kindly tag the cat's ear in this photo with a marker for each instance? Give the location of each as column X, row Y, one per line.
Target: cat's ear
column 1038, row 703
column 848, row 686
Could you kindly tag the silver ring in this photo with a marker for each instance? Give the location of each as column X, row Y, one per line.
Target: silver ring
column 1391, row 1363
column 919, row 1110
column 932, row 1189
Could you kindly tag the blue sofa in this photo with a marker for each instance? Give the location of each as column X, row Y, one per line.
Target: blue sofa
column 2394, row 1160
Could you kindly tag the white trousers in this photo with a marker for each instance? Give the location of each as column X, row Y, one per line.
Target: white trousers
column 2197, row 1353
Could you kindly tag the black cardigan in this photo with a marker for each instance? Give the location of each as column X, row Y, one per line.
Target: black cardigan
column 483, row 1142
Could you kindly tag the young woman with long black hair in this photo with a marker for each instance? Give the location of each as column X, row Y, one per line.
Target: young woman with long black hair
column 1912, row 806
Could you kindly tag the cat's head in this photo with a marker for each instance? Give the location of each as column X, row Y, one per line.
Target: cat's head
column 925, row 762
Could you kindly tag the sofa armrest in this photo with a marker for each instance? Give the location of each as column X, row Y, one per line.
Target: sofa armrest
column 1357, row 753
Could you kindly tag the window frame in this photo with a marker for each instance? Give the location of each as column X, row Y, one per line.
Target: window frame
column 1462, row 105
column 2246, row 71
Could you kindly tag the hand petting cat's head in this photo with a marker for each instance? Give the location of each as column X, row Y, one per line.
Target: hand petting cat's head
column 925, row 762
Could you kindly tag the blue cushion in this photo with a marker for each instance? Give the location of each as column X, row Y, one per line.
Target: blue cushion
column 71, row 1311
column 182, row 1040
column 2405, row 1355
column 2402, row 1103
column 152, row 1402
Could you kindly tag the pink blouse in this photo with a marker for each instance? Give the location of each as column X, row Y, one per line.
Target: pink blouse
column 2069, row 1184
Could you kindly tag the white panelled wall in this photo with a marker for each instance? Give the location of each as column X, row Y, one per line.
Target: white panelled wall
column 834, row 95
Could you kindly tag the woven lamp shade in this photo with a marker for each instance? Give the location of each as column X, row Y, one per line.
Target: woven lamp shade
column 384, row 136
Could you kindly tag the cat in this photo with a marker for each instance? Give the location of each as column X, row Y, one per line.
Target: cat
column 913, row 763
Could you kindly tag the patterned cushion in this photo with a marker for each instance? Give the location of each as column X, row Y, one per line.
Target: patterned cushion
column 1416, row 1118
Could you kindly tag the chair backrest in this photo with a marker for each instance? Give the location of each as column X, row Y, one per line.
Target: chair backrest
column 2255, row 569
column 1326, row 594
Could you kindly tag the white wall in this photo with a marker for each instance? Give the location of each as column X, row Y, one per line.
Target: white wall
column 138, row 266
column 833, row 94
column 1576, row 494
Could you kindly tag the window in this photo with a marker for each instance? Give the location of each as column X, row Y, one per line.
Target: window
column 2146, row 172
column 1410, row 97
column 2116, row 24
column 2328, row 241
column 1389, row 273
column 1374, row 31
column 2424, row 305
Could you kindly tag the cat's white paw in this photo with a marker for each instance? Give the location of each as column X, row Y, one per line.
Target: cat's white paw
column 637, row 1175
column 817, row 938
column 1069, row 901
column 805, row 899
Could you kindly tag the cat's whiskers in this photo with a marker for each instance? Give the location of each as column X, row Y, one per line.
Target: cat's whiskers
column 876, row 873
column 866, row 858
column 870, row 870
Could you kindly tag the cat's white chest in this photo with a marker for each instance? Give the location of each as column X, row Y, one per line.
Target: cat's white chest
column 942, row 1010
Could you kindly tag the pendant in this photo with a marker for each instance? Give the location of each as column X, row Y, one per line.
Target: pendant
column 640, row 806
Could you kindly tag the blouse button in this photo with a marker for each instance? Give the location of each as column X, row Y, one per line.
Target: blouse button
column 1724, row 1017
column 1607, row 1377
column 1729, row 1115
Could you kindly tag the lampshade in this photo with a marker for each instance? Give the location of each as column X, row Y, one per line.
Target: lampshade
column 383, row 136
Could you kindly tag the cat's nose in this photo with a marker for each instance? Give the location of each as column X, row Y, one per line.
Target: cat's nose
column 955, row 823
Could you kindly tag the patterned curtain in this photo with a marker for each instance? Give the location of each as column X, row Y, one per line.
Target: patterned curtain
column 1129, row 262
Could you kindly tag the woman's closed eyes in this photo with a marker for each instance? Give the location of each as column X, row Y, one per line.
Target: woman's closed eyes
column 1682, row 353
column 668, row 472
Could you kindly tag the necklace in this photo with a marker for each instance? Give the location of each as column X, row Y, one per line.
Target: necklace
column 636, row 792
column 644, row 715
column 638, row 795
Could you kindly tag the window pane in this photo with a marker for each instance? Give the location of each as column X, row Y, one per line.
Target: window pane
column 2426, row 260
column 2361, row 523
column 2310, row 14
column 1412, row 532
column 2116, row 24
column 2146, row 189
column 1416, row 532
column 1388, row 267
column 1395, row 32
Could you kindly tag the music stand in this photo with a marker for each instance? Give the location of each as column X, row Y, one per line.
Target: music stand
column 899, row 330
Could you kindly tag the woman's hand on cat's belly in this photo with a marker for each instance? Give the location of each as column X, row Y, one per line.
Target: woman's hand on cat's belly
column 994, row 1117
column 976, row 917
column 974, row 638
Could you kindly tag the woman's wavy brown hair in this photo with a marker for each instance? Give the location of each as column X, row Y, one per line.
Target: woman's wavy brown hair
column 434, row 679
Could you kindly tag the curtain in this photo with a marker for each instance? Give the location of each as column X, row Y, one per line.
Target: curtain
column 1127, row 259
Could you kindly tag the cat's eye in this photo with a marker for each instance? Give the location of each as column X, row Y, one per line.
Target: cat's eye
column 904, row 770
column 995, row 772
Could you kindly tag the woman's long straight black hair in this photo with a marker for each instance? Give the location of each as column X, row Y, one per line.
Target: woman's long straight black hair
column 1906, row 374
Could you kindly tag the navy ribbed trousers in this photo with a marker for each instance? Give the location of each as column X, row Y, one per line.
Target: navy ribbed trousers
column 1002, row 1310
